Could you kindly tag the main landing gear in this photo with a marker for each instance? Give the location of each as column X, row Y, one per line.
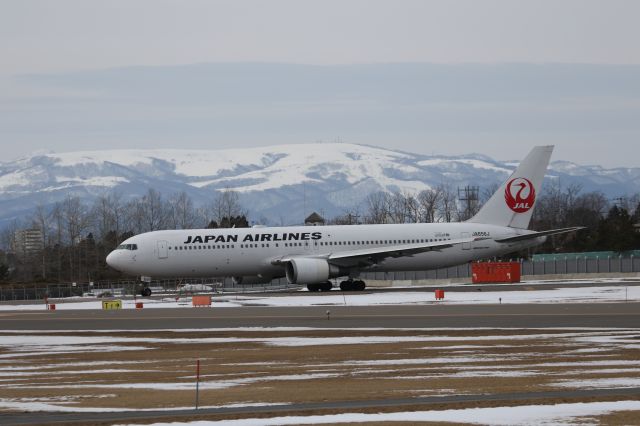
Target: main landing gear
column 145, row 292
column 348, row 285
column 325, row 286
column 351, row 285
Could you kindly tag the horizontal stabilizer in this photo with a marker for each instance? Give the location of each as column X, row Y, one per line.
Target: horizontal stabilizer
column 539, row 234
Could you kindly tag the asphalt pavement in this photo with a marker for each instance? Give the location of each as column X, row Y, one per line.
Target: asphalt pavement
column 610, row 315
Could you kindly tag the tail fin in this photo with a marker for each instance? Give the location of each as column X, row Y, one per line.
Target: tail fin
column 512, row 204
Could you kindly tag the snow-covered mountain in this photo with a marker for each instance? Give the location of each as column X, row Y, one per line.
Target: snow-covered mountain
column 280, row 182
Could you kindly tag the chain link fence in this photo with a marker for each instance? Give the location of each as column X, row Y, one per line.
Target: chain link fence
column 178, row 287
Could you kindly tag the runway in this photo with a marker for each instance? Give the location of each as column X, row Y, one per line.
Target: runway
column 225, row 322
column 609, row 315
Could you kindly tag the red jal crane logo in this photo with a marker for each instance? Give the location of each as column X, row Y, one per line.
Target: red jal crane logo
column 520, row 195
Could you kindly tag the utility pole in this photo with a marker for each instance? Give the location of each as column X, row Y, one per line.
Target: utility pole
column 468, row 196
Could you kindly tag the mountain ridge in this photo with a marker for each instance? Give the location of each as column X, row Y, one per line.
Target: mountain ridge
column 277, row 182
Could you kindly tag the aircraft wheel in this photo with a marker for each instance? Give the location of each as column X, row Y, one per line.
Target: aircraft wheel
column 146, row 292
column 326, row 286
column 359, row 285
column 346, row 285
column 313, row 287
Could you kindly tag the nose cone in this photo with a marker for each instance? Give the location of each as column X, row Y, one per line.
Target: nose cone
column 112, row 260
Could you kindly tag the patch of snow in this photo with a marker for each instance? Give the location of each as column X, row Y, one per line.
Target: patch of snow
column 204, row 385
column 103, row 181
column 47, row 404
column 557, row 414
column 606, row 382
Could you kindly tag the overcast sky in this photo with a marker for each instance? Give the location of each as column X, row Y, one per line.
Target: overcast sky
column 54, row 96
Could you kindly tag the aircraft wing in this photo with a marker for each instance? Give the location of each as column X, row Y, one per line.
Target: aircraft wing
column 369, row 256
column 529, row 236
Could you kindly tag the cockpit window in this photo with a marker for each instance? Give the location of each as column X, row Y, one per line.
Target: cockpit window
column 127, row 247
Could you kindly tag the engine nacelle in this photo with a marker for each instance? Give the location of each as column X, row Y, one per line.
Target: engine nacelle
column 251, row 279
column 310, row 271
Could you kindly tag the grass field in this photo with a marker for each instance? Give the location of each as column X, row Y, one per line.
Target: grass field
column 111, row 371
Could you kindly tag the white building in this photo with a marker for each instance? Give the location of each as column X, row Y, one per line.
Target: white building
column 27, row 241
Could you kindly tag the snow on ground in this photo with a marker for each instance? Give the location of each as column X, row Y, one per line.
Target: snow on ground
column 204, row 385
column 56, row 404
column 604, row 383
column 24, row 345
column 604, row 293
column 558, row 414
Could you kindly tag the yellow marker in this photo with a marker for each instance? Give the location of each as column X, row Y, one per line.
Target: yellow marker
column 112, row 304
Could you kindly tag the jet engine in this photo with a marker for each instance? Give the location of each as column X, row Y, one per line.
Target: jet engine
column 306, row 270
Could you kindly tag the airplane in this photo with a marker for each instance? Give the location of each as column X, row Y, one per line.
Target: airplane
column 312, row 256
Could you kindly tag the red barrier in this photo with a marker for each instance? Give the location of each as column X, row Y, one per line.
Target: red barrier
column 51, row 306
column 199, row 301
column 439, row 294
column 139, row 305
column 495, row 272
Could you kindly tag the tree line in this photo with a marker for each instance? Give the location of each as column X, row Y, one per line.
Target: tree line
column 612, row 224
column 77, row 237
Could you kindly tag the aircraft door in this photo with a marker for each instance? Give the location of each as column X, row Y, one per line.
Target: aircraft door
column 465, row 246
column 163, row 250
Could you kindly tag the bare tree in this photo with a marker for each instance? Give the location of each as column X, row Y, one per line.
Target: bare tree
column 102, row 213
column 412, row 208
column 377, row 207
column 75, row 217
column 398, row 207
column 447, row 206
column 349, row 217
column 429, row 200
column 554, row 204
column 152, row 211
column 76, row 222
column 226, row 205
column 182, row 214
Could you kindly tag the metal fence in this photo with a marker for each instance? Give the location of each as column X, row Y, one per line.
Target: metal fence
column 585, row 265
column 175, row 287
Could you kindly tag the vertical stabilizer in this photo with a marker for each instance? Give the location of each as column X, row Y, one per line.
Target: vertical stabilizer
column 512, row 204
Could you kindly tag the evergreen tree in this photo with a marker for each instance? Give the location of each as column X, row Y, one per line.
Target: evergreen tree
column 616, row 232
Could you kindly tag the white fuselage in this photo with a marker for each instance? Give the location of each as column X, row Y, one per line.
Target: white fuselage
column 252, row 251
